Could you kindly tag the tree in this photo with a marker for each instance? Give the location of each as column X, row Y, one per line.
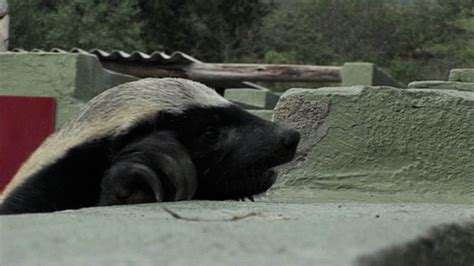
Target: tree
column 413, row 39
column 421, row 39
column 75, row 23
column 214, row 30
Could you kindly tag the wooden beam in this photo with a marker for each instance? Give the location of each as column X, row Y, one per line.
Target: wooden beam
column 231, row 74
column 263, row 72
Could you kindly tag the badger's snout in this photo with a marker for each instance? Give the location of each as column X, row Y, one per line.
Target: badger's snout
column 285, row 145
column 290, row 139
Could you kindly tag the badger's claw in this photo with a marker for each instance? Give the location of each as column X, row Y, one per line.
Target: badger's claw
column 244, row 198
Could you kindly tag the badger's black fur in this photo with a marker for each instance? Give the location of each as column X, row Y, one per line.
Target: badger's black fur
column 447, row 244
column 203, row 151
column 154, row 168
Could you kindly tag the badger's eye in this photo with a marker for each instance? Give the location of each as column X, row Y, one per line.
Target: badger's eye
column 211, row 135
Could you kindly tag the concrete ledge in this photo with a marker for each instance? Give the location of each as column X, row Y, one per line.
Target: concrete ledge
column 265, row 234
column 72, row 79
column 462, row 75
column 443, row 85
column 366, row 74
column 379, row 144
column 252, row 98
column 264, row 114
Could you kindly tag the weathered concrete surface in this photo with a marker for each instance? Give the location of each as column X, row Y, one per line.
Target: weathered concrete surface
column 366, row 74
column 462, row 75
column 443, row 85
column 72, row 79
column 252, row 98
column 379, row 144
column 272, row 233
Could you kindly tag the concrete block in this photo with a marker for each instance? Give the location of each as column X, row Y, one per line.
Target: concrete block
column 442, row 85
column 462, row 75
column 264, row 114
column 379, row 144
column 252, row 98
column 366, row 74
column 72, row 79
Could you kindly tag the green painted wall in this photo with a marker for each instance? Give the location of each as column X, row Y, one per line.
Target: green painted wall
column 367, row 74
column 379, row 144
column 72, row 79
column 51, row 75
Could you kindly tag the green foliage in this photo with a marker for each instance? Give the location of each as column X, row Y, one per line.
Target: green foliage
column 273, row 57
column 331, row 31
column 215, row 30
column 404, row 69
column 419, row 40
column 414, row 40
column 75, row 23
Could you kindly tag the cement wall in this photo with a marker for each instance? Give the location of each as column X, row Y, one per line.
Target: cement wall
column 379, row 144
column 72, row 79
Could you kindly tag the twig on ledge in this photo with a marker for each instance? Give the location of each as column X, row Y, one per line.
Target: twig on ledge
column 194, row 219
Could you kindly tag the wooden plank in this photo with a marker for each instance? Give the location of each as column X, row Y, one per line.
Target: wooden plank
column 263, row 72
column 232, row 74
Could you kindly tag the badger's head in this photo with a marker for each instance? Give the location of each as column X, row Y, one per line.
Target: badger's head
column 233, row 151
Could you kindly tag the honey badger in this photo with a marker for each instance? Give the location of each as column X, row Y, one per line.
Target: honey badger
column 151, row 140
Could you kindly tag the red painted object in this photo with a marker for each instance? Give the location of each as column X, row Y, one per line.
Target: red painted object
column 24, row 123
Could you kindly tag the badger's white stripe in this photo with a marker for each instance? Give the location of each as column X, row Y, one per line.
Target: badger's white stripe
column 115, row 111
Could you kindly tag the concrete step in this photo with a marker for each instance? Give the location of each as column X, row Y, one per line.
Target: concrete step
column 241, row 233
column 252, row 98
column 265, row 114
column 462, row 75
column 443, row 85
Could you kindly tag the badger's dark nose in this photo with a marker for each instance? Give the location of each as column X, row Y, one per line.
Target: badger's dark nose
column 291, row 138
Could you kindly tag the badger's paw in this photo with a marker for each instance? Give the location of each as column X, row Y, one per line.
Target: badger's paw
column 156, row 168
column 130, row 183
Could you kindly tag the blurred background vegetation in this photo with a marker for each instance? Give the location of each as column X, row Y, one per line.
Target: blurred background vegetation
column 411, row 39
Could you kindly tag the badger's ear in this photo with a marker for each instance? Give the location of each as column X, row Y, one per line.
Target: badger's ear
column 153, row 168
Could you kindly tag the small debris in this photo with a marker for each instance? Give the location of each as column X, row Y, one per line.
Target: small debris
column 195, row 219
column 236, row 217
column 377, row 216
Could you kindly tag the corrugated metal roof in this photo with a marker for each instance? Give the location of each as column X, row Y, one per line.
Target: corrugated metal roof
column 156, row 57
